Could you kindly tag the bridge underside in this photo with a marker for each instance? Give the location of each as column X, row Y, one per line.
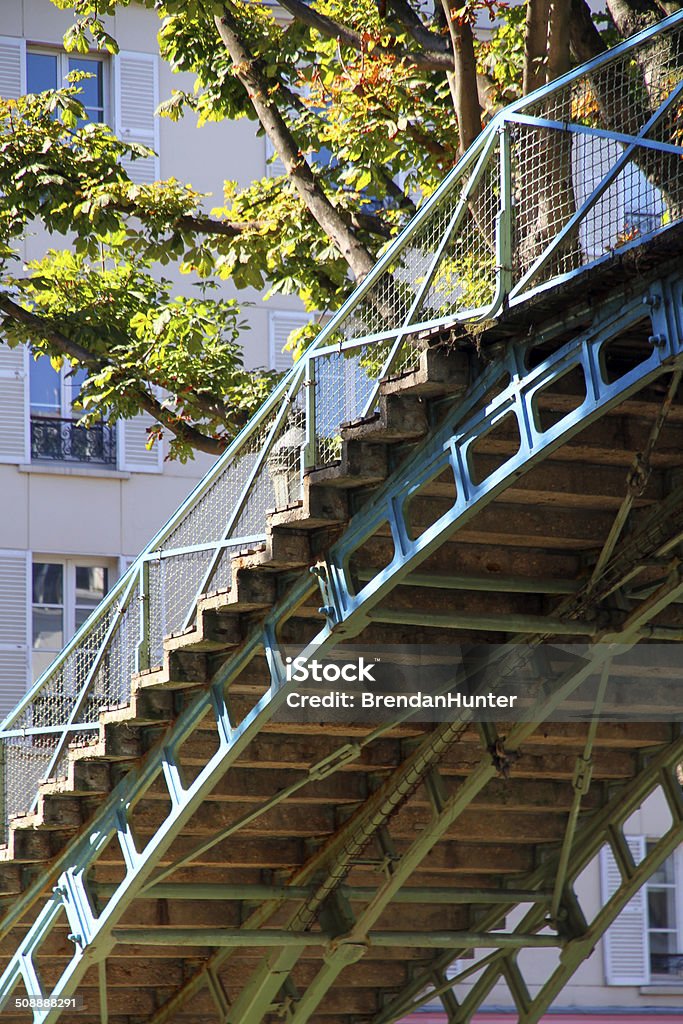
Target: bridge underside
column 250, row 870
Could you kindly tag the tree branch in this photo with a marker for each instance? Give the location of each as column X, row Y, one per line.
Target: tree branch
column 409, row 19
column 182, row 430
column 428, row 60
column 71, row 349
column 60, row 342
column 249, row 72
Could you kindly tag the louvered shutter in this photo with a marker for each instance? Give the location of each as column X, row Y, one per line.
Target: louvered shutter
column 274, row 167
column 125, row 562
column 281, row 325
column 137, row 97
column 133, row 453
column 14, row 629
column 12, row 67
column 626, row 941
column 14, row 403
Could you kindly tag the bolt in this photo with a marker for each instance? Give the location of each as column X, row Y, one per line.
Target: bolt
column 317, row 570
column 653, row 301
column 76, row 939
column 327, row 610
column 657, row 340
column 59, row 890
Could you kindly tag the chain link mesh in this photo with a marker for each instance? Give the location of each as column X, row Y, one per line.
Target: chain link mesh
column 556, row 170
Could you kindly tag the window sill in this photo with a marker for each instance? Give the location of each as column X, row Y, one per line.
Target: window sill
column 62, row 469
column 662, row 988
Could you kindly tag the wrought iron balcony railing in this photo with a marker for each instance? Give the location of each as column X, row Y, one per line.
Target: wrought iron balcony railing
column 65, row 440
column 546, row 191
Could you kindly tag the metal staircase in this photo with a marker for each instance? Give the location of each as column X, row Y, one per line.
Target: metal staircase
column 482, row 446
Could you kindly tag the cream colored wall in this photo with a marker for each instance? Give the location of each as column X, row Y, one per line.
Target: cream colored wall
column 70, row 510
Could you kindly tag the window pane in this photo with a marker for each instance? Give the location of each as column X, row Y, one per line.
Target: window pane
column 45, row 385
column 47, row 583
column 92, row 583
column 92, row 92
column 41, row 71
column 664, row 873
column 73, row 381
column 661, row 907
column 48, row 633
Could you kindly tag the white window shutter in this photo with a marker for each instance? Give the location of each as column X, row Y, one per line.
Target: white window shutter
column 274, row 167
column 14, row 404
column 626, row 941
column 12, row 67
column 136, row 87
column 133, row 453
column 14, row 628
column 280, row 326
column 125, row 562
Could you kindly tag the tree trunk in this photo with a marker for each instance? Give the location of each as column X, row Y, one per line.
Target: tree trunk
column 300, row 174
column 535, row 44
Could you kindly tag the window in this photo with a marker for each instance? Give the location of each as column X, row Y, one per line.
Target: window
column 664, row 922
column 64, row 592
column 644, row 945
column 281, row 326
column 55, row 432
column 47, row 69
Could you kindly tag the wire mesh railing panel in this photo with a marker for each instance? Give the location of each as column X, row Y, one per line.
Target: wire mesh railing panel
column 27, row 759
column 111, row 684
column 344, row 383
column 206, row 520
column 278, row 483
column 62, row 691
column 544, row 198
column 465, row 278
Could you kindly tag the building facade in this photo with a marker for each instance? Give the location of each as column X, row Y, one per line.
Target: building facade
column 76, row 506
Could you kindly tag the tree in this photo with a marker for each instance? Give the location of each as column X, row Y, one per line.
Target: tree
column 367, row 103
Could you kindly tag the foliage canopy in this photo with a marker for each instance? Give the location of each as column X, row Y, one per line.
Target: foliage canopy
column 367, row 103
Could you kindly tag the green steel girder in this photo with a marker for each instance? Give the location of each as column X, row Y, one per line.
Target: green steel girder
column 603, row 828
column 358, row 894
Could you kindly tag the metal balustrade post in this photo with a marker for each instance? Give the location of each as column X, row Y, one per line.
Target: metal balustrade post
column 142, row 657
column 309, row 450
column 504, row 224
column 3, row 794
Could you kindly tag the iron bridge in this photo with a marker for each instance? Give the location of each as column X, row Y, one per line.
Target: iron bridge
column 481, row 452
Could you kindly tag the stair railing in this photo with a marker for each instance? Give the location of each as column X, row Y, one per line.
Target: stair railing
column 557, row 183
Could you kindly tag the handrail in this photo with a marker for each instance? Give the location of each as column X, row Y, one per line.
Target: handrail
column 498, row 230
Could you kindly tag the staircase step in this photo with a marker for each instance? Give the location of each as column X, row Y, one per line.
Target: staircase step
column 442, row 371
column 400, row 418
column 321, row 506
column 362, row 464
